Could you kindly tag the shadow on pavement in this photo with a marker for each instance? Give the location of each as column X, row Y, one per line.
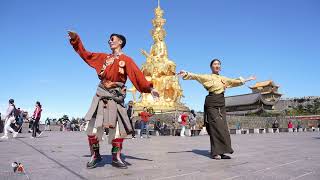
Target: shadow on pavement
column 107, row 159
column 205, row 153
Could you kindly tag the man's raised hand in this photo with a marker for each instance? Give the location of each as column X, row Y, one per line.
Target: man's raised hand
column 72, row 34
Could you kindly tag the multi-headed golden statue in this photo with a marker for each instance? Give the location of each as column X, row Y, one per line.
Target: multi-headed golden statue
column 159, row 69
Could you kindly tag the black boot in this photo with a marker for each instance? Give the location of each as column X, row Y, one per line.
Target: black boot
column 93, row 162
column 95, row 152
column 118, row 163
column 225, row 156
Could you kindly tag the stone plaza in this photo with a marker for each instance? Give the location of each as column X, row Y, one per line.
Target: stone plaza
column 63, row 155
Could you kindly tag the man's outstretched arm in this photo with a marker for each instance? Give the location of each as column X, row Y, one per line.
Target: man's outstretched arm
column 92, row 59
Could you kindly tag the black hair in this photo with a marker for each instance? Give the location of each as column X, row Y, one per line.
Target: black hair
column 192, row 112
column 38, row 103
column 214, row 60
column 11, row 101
column 123, row 39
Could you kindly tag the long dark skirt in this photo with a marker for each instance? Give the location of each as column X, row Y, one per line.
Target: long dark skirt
column 216, row 124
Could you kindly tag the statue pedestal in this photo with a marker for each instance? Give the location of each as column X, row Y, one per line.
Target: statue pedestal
column 159, row 108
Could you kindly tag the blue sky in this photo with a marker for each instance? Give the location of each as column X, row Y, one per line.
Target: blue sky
column 272, row 39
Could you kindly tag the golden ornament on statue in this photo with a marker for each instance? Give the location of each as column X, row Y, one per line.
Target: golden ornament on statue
column 159, row 69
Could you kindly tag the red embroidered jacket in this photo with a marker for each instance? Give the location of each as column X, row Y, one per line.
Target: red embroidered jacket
column 116, row 69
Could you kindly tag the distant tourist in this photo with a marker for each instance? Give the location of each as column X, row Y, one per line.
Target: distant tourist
column 214, row 107
column 183, row 118
column 10, row 118
column 165, row 130
column 275, row 124
column 299, row 125
column 130, row 112
column 144, row 123
column 19, row 120
column 1, row 123
column 61, row 126
column 175, row 126
column 30, row 125
column 192, row 122
column 47, row 123
column 290, row 125
column 238, row 125
column 73, row 127
column 137, row 124
column 36, row 120
column 158, row 126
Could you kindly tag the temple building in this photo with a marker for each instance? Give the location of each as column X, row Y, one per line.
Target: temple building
column 268, row 89
column 263, row 98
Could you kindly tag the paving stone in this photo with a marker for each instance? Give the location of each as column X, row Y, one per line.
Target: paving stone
column 63, row 155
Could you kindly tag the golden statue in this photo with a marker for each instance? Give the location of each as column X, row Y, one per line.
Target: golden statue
column 159, row 69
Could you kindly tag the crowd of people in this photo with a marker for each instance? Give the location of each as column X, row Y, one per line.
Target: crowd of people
column 147, row 123
column 15, row 117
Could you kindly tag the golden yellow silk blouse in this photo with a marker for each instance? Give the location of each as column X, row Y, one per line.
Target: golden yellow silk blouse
column 214, row 83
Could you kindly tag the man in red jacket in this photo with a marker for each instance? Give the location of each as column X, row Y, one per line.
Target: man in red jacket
column 107, row 109
column 145, row 116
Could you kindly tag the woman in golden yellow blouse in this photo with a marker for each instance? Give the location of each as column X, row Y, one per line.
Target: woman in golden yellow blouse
column 214, row 107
